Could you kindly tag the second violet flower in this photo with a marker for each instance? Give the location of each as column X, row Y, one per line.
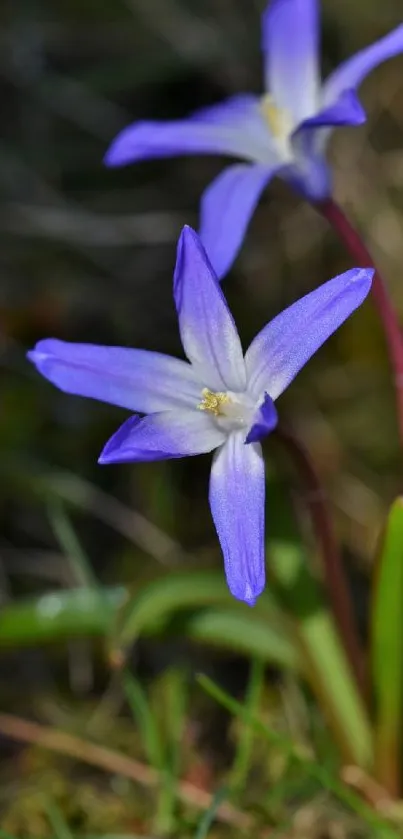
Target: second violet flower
column 219, row 399
column 285, row 132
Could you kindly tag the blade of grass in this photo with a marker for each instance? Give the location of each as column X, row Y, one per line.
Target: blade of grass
column 243, row 754
column 57, row 821
column 71, row 546
column 386, row 652
column 207, row 819
column 156, row 751
column 147, row 724
column 174, row 690
column 325, row 660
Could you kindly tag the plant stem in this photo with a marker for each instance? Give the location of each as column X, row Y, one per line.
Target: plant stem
column 387, row 315
column 333, row 572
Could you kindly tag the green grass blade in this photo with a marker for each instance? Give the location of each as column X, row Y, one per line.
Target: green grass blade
column 326, row 663
column 146, row 721
column 208, row 817
column 243, row 754
column 386, row 651
column 173, row 687
column 57, row 821
column 70, row 545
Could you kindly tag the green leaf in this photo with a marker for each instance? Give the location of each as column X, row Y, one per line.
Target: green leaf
column 386, row 651
column 78, row 612
column 326, row 664
column 247, row 634
column 59, row 615
column 155, row 603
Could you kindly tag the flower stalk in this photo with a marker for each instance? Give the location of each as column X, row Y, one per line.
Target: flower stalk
column 387, row 314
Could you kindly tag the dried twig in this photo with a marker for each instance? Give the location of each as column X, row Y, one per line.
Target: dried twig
column 119, row 764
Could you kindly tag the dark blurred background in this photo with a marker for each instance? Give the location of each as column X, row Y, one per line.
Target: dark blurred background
column 87, row 254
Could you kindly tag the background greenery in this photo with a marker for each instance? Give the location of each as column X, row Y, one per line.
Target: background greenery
column 101, row 564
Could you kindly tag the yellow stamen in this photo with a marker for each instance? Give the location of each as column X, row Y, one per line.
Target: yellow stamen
column 212, row 401
column 276, row 117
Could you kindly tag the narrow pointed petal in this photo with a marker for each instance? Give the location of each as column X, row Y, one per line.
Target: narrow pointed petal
column 162, row 436
column 237, row 493
column 312, row 175
column 351, row 73
column 134, row 379
column 233, row 127
column 282, row 348
column 264, row 421
column 209, row 335
column 345, row 110
column 291, row 46
column 227, row 206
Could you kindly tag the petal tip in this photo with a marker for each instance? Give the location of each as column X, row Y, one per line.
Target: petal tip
column 32, row 355
column 40, row 353
column 249, row 594
column 115, row 449
column 264, row 421
column 108, row 453
column 364, row 277
column 247, row 590
column 114, row 155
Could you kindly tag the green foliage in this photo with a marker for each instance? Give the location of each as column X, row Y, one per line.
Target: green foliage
column 324, row 659
column 308, row 765
column 262, row 631
column 59, row 615
column 386, row 651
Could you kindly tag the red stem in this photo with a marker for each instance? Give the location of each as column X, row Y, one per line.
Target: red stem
column 334, row 577
column 393, row 336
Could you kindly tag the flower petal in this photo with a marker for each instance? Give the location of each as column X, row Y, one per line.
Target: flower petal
column 209, row 335
column 345, row 110
column 351, row 73
column 234, row 127
column 291, row 46
column 264, row 421
column 279, row 351
column 311, row 175
column 237, row 492
column 162, row 436
column 226, row 208
column 134, row 379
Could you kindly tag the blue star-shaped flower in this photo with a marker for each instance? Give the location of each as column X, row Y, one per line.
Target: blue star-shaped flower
column 284, row 132
column 219, row 399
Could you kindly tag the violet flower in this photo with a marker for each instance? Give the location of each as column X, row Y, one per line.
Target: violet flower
column 218, row 399
column 284, row 132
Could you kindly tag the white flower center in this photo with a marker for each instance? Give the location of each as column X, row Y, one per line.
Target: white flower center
column 281, row 125
column 231, row 411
